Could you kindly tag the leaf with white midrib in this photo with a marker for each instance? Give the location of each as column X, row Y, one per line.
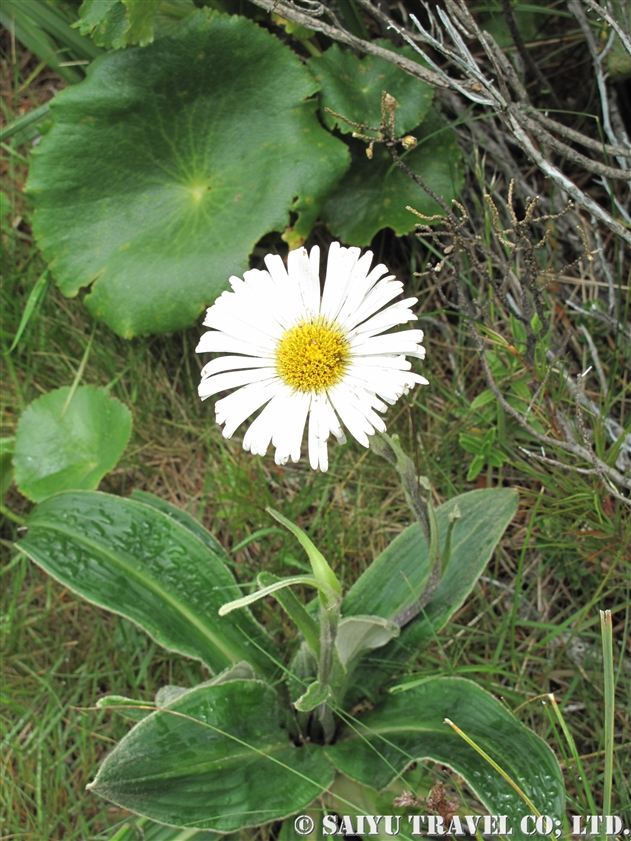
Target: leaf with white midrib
column 410, row 726
column 160, row 766
column 151, row 585
column 158, row 601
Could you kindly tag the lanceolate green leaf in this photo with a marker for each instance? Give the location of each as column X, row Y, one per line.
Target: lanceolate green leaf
column 184, row 519
column 244, row 601
column 137, row 561
column 295, row 610
column 397, row 577
column 143, row 828
column 394, row 579
column 167, row 165
column 410, row 726
column 36, row 294
column 216, row 758
column 137, row 710
column 316, row 694
column 319, row 563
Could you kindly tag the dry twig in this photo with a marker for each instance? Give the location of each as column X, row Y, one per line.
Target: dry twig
column 491, row 83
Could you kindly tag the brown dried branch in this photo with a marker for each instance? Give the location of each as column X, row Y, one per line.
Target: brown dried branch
column 506, row 98
column 290, row 11
column 508, row 101
column 576, row 136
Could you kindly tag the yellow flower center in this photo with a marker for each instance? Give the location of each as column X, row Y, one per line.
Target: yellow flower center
column 312, row 356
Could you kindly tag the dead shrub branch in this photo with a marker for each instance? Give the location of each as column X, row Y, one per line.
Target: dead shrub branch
column 482, row 75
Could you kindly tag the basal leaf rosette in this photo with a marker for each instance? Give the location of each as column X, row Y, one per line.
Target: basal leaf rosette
column 165, row 167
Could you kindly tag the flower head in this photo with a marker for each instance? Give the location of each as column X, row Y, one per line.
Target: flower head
column 300, row 353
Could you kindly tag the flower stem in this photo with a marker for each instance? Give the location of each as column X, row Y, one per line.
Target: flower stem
column 329, row 618
column 390, row 449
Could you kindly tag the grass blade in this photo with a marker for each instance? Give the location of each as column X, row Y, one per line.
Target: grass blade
column 494, row 765
column 28, row 119
column 37, row 294
column 575, row 755
column 607, row 640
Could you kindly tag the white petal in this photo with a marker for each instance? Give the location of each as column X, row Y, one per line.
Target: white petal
column 399, row 363
column 354, row 288
column 291, row 402
column 289, row 439
column 250, row 308
column 238, row 407
column 236, row 327
column 332, row 420
column 284, row 293
column 340, row 265
column 378, row 297
column 235, row 363
column 351, row 417
column 361, row 283
column 259, row 434
column 314, row 263
column 316, row 430
column 217, row 342
column 419, row 353
column 389, row 385
column 299, row 267
column 386, row 388
column 262, row 294
column 322, row 421
column 362, row 400
column 390, row 317
column 404, row 342
column 378, row 404
column 232, row 379
column 277, row 270
column 323, row 457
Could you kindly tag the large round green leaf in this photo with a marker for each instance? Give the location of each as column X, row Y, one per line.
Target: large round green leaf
column 66, row 441
column 219, row 757
column 374, row 193
column 352, row 87
column 165, row 167
column 411, row 726
column 148, row 563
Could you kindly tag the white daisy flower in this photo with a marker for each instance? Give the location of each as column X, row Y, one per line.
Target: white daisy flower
column 309, row 355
